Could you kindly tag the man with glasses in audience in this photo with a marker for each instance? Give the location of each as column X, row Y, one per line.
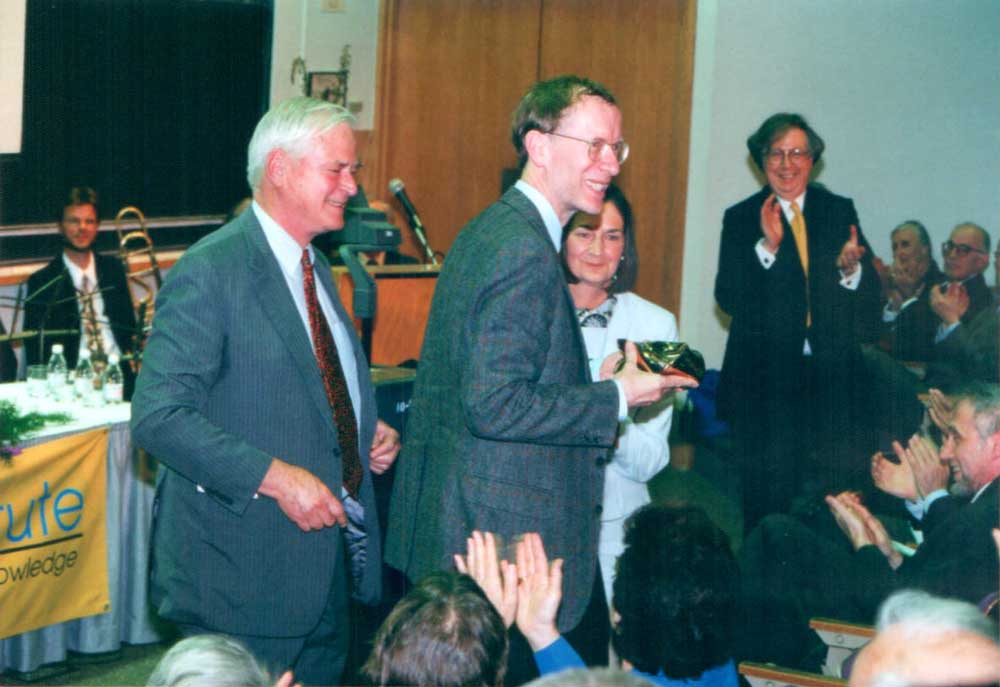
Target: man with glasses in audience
column 795, row 275
column 506, row 432
column 966, row 256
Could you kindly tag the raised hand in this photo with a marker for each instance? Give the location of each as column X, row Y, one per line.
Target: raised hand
column 539, row 592
column 929, row 473
column 950, row 305
column 895, row 479
column 497, row 579
column 850, row 254
column 770, row 223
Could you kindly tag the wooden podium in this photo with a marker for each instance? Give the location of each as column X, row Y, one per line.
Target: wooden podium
column 404, row 301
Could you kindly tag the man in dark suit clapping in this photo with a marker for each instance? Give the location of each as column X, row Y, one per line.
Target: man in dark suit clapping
column 507, row 433
column 795, row 275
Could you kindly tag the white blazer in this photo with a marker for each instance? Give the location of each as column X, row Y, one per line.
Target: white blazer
column 642, row 449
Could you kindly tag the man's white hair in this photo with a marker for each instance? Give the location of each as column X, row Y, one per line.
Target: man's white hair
column 290, row 126
column 208, row 661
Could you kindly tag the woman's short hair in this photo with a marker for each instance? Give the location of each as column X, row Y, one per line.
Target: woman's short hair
column 675, row 590
column 444, row 633
column 776, row 126
column 208, row 661
column 628, row 268
column 290, row 126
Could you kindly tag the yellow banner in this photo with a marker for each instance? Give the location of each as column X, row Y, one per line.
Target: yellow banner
column 53, row 548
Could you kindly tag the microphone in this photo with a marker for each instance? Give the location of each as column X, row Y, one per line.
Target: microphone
column 397, row 189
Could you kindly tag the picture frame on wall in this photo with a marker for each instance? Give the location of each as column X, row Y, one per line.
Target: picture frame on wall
column 328, row 86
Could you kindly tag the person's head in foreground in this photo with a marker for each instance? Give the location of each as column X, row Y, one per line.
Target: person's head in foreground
column 444, row 633
column 928, row 641
column 208, row 661
column 675, row 592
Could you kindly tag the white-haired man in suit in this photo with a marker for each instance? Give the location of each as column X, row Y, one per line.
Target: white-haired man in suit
column 256, row 397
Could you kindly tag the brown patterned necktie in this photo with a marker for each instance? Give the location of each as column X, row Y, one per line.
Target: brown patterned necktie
column 333, row 382
column 88, row 317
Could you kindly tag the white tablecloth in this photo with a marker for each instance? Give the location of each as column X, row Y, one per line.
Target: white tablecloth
column 130, row 491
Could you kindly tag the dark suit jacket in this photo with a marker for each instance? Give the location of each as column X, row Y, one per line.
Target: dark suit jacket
column 229, row 380
column 911, row 335
column 56, row 308
column 768, row 306
column 980, row 297
column 791, row 573
column 506, row 431
column 957, row 558
column 968, row 353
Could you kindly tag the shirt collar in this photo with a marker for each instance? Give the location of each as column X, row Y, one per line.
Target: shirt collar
column 980, row 492
column 545, row 209
column 77, row 274
column 286, row 250
column 786, row 205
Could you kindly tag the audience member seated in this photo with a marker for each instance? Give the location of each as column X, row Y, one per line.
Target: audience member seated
column 593, row 677
column 791, row 573
column 600, row 261
column 966, row 345
column 443, row 633
column 674, row 598
column 909, row 324
column 966, row 256
column 928, row 641
column 211, row 661
column 81, row 292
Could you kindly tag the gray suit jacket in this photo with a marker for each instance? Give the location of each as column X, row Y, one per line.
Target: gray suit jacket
column 506, row 431
column 229, row 380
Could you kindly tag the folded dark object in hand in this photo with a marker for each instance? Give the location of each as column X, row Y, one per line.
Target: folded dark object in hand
column 667, row 357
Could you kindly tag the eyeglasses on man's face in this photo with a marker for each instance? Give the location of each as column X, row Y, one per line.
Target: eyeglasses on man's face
column 962, row 249
column 595, row 148
column 796, row 156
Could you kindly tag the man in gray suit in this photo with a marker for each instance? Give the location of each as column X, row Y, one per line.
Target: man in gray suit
column 507, row 432
column 256, row 398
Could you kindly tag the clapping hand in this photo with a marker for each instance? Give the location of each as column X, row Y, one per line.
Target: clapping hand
column 861, row 527
column 539, row 592
column 951, row 304
column 497, row 578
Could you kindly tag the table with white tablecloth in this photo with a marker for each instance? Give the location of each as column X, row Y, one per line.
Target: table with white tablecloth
column 130, row 492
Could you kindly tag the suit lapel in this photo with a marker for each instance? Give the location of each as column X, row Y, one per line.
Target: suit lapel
column 520, row 202
column 276, row 302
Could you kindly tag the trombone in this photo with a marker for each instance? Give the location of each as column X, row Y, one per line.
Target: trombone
column 135, row 249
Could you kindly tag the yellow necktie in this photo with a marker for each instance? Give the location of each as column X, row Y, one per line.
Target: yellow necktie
column 802, row 243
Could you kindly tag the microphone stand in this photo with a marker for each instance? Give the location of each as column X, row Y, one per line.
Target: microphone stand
column 418, row 231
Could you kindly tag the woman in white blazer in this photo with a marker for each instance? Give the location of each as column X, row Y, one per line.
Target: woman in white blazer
column 601, row 261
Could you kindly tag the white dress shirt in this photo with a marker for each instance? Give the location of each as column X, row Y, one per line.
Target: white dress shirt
column 77, row 274
column 288, row 253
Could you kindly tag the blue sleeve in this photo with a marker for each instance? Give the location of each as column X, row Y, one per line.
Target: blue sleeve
column 557, row 656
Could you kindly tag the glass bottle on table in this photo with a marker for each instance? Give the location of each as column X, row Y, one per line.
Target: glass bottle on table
column 83, row 377
column 113, row 381
column 57, row 372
